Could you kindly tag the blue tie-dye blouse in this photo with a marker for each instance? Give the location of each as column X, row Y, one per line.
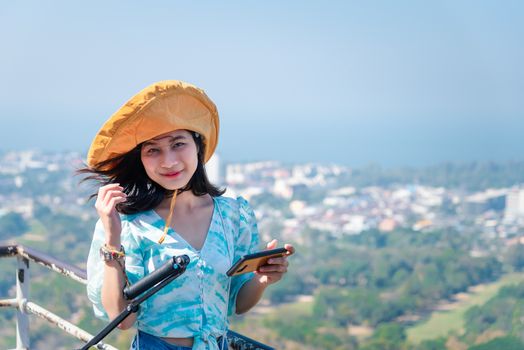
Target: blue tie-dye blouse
column 197, row 303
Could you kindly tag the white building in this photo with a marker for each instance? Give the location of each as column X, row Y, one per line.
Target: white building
column 515, row 203
column 213, row 170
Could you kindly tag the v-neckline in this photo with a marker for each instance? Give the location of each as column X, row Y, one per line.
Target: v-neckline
column 172, row 231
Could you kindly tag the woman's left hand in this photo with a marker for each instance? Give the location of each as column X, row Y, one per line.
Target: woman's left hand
column 275, row 268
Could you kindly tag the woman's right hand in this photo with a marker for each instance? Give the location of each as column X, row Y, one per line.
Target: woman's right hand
column 108, row 197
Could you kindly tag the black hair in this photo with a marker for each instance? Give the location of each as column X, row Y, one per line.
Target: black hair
column 143, row 193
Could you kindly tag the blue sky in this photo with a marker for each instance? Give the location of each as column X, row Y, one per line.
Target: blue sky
column 393, row 83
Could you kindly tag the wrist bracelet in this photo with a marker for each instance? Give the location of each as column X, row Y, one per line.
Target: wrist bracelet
column 109, row 254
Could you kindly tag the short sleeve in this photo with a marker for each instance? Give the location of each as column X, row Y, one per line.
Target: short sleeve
column 246, row 242
column 95, row 265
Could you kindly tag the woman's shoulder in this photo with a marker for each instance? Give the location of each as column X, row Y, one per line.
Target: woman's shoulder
column 238, row 203
column 238, row 209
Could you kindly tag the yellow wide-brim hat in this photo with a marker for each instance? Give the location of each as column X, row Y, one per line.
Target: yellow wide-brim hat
column 159, row 108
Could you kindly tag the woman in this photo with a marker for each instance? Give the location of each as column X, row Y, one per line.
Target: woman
column 156, row 202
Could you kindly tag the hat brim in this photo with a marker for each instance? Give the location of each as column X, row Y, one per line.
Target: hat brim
column 160, row 108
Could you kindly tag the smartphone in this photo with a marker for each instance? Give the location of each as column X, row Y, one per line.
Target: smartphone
column 251, row 262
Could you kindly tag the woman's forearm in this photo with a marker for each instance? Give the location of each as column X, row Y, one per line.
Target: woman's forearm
column 249, row 295
column 272, row 272
column 112, row 296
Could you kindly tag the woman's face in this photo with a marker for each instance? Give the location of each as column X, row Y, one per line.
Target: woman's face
column 170, row 159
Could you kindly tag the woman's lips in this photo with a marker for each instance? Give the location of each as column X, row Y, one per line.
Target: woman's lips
column 172, row 175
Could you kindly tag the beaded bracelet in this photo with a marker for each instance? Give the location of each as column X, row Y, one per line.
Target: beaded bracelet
column 109, row 254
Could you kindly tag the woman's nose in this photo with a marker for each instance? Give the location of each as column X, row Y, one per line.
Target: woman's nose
column 169, row 159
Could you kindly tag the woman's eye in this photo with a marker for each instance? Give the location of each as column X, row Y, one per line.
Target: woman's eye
column 178, row 144
column 151, row 151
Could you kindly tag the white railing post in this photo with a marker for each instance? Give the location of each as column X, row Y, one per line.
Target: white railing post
column 22, row 295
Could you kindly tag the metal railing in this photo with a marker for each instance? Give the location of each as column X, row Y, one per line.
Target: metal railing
column 25, row 307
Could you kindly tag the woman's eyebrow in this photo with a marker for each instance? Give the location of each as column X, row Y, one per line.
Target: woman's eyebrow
column 154, row 140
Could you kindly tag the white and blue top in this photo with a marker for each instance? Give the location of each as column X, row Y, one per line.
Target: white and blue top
column 197, row 303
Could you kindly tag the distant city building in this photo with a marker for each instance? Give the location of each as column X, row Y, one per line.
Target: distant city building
column 480, row 202
column 354, row 224
column 235, row 174
column 387, row 225
column 288, row 197
column 213, row 170
column 282, row 189
column 515, row 204
column 297, row 207
column 24, row 207
column 422, row 225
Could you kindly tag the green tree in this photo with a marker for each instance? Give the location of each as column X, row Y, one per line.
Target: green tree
column 12, row 225
column 387, row 336
column 515, row 257
column 292, row 284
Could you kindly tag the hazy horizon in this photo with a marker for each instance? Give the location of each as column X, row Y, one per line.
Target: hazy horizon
column 403, row 84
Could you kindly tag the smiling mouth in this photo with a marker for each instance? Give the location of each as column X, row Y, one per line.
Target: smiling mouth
column 171, row 175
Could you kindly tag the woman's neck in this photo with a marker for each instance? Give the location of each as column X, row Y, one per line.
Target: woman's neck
column 185, row 201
